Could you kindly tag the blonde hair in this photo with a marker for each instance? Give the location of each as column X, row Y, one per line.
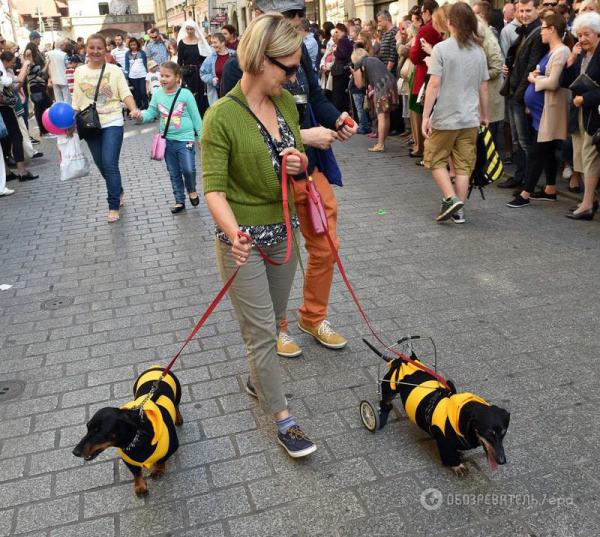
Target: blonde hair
column 268, row 35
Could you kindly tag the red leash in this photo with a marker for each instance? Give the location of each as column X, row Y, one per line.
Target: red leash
column 227, row 286
column 338, row 261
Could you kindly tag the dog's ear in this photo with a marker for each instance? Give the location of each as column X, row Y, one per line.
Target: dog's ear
column 505, row 416
column 128, row 417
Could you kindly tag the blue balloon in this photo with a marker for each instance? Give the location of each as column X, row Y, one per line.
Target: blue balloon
column 62, row 115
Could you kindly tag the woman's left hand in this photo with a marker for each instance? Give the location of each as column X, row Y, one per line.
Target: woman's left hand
column 296, row 162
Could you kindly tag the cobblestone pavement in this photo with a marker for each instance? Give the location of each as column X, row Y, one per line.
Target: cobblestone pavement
column 510, row 299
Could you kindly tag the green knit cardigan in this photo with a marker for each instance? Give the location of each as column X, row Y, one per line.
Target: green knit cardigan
column 235, row 159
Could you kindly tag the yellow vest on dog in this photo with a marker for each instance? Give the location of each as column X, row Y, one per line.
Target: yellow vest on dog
column 161, row 433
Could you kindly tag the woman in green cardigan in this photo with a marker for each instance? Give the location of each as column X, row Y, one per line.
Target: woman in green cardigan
column 245, row 136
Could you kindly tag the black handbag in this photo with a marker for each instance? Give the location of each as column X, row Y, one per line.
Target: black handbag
column 88, row 121
column 8, row 97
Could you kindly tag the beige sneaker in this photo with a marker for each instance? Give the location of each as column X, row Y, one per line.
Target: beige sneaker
column 325, row 335
column 286, row 346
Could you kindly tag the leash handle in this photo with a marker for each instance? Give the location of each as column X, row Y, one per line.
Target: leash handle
column 286, row 217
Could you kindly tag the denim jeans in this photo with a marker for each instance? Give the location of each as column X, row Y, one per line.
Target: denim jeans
column 364, row 125
column 106, row 149
column 523, row 137
column 180, row 158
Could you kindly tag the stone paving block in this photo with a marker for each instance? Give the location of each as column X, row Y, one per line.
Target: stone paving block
column 205, row 452
column 101, row 527
column 44, row 347
column 24, row 491
column 218, row 505
column 59, row 418
column 114, row 374
column 176, row 485
column 214, row 388
column 230, row 423
column 72, row 355
column 169, row 517
column 200, row 410
column 85, row 478
column 236, row 401
column 53, row 461
column 12, row 468
column 85, row 396
column 46, row 514
column 112, row 499
column 15, row 427
column 241, row 470
column 6, row 522
column 28, row 444
column 89, row 364
column 63, row 335
column 214, row 530
column 57, row 385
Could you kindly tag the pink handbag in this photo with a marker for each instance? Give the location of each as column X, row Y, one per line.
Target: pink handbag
column 315, row 208
column 157, row 150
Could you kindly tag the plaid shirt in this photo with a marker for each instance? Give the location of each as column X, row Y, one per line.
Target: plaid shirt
column 387, row 51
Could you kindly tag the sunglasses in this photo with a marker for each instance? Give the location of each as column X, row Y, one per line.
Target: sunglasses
column 293, row 13
column 550, row 4
column 289, row 70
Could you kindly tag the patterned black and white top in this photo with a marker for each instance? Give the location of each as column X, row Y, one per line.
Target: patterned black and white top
column 270, row 234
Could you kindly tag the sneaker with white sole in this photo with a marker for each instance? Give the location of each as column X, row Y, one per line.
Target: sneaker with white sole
column 459, row 217
column 449, row 207
column 287, row 347
column 296, row 443
column 325, row 335
column 567, row 172
column 7, row 192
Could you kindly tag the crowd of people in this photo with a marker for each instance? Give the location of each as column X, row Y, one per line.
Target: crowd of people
column 435, row 75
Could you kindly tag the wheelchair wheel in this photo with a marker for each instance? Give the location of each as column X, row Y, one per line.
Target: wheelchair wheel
column 369, row 415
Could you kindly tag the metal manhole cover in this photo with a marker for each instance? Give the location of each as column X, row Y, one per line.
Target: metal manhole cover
column 10, row 389
column 57, row 302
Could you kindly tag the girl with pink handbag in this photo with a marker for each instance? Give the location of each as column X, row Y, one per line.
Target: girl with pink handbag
column 180, row 126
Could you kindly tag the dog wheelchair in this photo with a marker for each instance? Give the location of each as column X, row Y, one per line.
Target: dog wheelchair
column 372, row 415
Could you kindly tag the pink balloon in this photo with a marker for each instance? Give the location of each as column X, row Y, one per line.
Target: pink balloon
column 49, row 126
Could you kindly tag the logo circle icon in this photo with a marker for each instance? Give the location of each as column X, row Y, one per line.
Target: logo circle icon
column 431, row 499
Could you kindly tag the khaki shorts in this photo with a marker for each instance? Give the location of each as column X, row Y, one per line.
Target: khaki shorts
column 586, row 159
column 460, row 144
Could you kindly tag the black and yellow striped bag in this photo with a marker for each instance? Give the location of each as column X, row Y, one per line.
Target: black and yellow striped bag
column 489, row 166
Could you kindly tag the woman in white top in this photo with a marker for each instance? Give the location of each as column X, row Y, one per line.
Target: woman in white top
column 136, row 69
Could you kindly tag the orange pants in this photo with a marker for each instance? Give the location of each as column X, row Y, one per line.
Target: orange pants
column 319, row 269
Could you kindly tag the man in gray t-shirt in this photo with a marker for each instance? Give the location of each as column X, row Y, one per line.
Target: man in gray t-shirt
column 461, row 72
column 458, row 88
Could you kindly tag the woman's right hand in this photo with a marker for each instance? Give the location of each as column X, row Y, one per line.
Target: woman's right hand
column 240, row 249
column 318, row 137
column 576, row 51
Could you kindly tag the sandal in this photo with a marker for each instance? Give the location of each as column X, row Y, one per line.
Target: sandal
column 177, row 208
column 415, row 154
column 195, row 201
column 113, row 216
column 420, row 163
column 377, row 148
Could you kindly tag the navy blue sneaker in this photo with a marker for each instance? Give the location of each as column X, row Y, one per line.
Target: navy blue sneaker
column 296, row 443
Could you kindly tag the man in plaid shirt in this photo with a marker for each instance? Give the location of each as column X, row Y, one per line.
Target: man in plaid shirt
column 387, row 51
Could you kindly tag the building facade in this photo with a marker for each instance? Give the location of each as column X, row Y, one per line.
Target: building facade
column 110, row 17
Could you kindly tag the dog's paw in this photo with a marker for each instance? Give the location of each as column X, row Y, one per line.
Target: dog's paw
column 158, row 470
column 461, row 470
column 140, row 487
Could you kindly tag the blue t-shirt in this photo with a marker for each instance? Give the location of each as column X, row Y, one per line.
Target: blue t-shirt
column 534, row 100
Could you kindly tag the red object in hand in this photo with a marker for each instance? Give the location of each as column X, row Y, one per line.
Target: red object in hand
column 349, row 122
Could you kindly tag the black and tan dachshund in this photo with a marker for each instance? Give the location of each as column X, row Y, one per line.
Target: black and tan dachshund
column 457, row 421
column 142, row 442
